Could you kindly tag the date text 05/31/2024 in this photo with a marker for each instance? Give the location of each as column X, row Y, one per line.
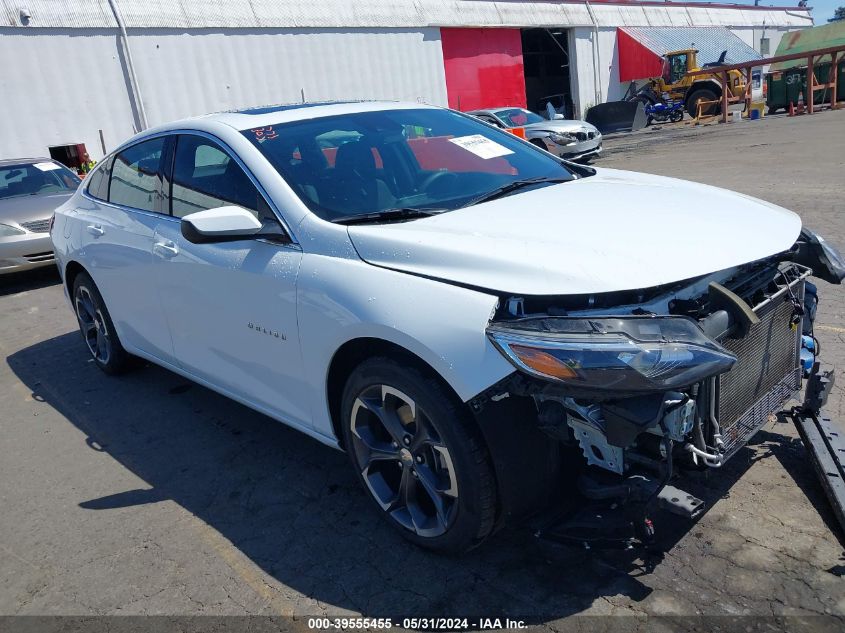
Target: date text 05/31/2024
column 418, row 624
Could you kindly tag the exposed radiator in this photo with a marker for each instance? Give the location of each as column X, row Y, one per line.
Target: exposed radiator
column 766, row 374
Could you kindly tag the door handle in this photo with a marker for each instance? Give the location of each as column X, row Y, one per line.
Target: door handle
column 96, row 230
column 166, row 249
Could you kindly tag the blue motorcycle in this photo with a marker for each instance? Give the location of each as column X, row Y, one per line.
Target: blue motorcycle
column 661, row 112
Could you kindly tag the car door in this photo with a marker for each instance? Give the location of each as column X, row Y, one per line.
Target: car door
column 230, row 306
column 117, row 223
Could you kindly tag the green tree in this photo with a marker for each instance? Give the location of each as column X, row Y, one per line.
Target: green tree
column 839, row 14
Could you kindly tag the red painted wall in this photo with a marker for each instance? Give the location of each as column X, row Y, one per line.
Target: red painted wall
column 483, row 68
column 635, row 60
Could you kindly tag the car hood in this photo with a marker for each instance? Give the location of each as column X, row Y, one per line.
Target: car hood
column 613, row 231
column 562, row 126
column 31, row 208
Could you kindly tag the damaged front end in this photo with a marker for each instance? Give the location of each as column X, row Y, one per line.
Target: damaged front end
column 645, row 381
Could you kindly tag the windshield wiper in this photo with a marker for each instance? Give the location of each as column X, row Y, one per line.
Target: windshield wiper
column 507, row 188
column 387, row 215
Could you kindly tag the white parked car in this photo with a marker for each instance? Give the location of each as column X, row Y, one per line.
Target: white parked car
column 446, row 302
column 568, row 138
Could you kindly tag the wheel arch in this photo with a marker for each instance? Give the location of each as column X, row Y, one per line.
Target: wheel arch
column 72, row 270
column 355, row 351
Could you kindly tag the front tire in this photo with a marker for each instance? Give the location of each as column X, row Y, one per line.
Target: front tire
column 417, row 453
column 97, row 328
column 703, row 94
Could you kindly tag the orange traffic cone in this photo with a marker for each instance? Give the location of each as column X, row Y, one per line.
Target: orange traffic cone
column 800, row 103
column 791, row 109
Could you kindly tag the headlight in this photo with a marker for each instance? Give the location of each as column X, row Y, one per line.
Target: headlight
column 619, row 354
column 823, row 258
column 9, row 231
column 561, row 139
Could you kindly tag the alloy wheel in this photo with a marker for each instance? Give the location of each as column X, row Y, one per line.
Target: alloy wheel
column 93, row 326
column 404, row 461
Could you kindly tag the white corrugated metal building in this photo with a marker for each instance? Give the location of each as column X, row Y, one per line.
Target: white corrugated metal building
column 94, row 71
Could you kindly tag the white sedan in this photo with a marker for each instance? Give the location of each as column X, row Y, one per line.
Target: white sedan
column 567, row 138
column 454, row 307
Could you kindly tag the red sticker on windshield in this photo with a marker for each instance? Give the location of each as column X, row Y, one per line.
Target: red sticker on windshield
column 264, row 133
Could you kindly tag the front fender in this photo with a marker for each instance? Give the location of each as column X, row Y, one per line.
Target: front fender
column 345, row 299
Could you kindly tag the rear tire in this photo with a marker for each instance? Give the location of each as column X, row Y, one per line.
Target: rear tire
column 702, row 94
column 97, row 328
column 417, row 453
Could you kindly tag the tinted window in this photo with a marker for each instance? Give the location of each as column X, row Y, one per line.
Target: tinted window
column 678, row 67
column 515, row 117
column 206, row 177
column 98, row 180
column 135, row 176
column 427, row 158
column 488, row 119
column 41, row 178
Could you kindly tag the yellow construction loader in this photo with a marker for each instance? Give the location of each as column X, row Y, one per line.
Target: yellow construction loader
column 676, row 84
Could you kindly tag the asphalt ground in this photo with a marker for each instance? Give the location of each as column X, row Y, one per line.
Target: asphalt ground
column 147, row 494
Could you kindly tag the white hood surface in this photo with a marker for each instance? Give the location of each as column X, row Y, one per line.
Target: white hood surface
column 617, row 230
column 562, row 125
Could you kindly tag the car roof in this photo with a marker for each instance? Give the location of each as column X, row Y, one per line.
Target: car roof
column 22, row 161
column 497, row 110
column 262, row 116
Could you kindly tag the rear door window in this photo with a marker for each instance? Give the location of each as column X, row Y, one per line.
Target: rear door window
column 136, row 176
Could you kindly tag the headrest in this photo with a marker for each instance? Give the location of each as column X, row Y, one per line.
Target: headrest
column 355, row 156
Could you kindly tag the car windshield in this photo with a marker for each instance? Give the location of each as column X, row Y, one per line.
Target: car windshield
column 515, row 117
column 32, row 179
column 405, row 159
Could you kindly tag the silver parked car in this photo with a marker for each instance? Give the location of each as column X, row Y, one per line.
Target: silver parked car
column 30, row 190
column 566, row 138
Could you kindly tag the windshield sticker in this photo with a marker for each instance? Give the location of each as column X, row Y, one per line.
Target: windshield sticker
column 264, row 133
column 481, row 146
column 46, row 166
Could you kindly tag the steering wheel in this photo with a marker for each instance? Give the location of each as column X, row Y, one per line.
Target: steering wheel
column 437, row 176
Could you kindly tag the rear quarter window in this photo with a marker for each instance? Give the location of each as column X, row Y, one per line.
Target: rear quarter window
column 98, row 180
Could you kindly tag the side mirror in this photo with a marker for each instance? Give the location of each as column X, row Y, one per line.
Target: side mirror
column 223, row 224
column 559, row 117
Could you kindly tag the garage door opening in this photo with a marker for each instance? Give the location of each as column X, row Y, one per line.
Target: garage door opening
column 545, row 55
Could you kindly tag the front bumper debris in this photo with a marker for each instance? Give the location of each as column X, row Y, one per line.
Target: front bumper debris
column 823, row 438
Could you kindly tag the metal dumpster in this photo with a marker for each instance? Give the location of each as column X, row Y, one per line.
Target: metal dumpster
column 786, row 80
column 783, row 87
